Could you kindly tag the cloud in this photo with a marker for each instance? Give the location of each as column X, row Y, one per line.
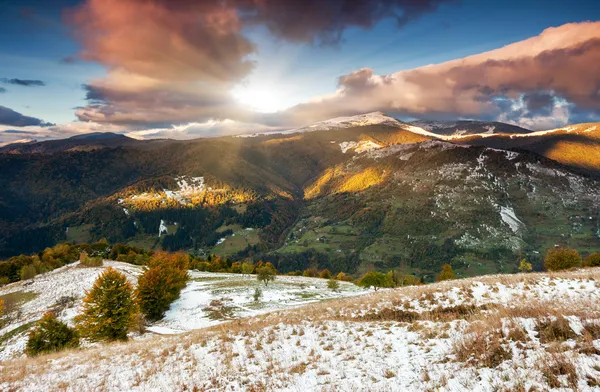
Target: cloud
column 23, row 82
column 177, row 60
column 10, row 117
column 560, row 63
column 2, row 90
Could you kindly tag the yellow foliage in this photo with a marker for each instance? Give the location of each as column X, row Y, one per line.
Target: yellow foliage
column 361, row 181
column 281, row 141
column 337, row 181
column 579, row 154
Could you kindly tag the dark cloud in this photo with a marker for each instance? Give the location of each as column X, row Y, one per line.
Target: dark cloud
column 69, row 60
column 2, row 90
column 170, row 58
column 540, row 102
column 19, row 132
column 12, row 118
column 23, row 82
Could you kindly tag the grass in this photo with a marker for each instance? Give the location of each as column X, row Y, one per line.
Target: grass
column 79, row 234
column 20, row 329
column 17, row 298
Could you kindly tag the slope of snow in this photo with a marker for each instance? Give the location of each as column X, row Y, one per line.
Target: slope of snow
column 510, row 218
column 332, row 347
column 360, row 147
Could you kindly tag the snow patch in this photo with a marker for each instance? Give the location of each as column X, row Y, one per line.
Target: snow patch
column 510, row 218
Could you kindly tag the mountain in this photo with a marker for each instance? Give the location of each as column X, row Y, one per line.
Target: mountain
column 464, row 127
column 85, row 142
column 577, row 146
column 361, row 192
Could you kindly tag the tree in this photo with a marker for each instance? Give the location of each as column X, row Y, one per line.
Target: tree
column 247, row 268
column 333, row 285
column 109, row 308
column 257, row 294
column 343, row 277
column 446, row 274
column 266, row 274
column 325, row 274
column 162, row 283
column 376, row 280
column 561, row 259
column 592, row 260
column 524, row 266
column 28, row 272
column 50, row 335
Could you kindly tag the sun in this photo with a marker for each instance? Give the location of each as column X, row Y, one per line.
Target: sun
column 265, row 100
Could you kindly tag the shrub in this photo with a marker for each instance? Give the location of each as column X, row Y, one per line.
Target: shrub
column 50, row 335
column 109, row 308
column 27, row 272
column 524, row 266
column 343, row 277
column 333, row 285
column 4, row 280
column 257, row 294
column 592, row 260
column 162, row 283
column 247, row 268
column 87, row 261
column 561, row 259
column 1, row 307
column 325, row 274
column 446, row 274
column 266, row 274
column 310, row 273
column 376, row 280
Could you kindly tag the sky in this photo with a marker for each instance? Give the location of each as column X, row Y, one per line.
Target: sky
column 202, row 68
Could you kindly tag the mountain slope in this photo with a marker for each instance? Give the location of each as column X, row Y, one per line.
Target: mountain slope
column 86, row 142
column 466, row 127
column 516, row 332
column 383, row 194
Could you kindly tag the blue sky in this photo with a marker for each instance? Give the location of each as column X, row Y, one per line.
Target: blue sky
column 35, row 39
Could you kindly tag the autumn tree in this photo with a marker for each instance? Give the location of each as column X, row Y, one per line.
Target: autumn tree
column 50, row 335
column 266, row 274
column 162, row 283
column 247, row 268
column 592, row 260
column 28, row 272
column 109, row 308
column 446, row 274
column 561, row 259
column 524, row 266
column 376, row 280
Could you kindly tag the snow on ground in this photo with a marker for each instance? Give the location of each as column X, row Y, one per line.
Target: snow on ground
column 67, row 284
column 191, row 311
column 235, row 293
column 362, row 344
column 360, row 147
column 510, row 218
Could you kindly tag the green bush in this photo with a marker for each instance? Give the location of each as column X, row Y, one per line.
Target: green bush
column 50, row 335
column 162, row 283
column 524, row 266
column 109, row 308
column 27, row 272
column 87, row 261
column 333, row 285
column 592, row 260
column 562, row 258
column 266, row 274
column 376, row 280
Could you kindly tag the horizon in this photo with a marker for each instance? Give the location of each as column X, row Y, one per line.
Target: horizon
column 198, row 69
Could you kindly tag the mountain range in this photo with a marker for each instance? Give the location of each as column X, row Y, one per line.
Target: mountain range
column 348, row 194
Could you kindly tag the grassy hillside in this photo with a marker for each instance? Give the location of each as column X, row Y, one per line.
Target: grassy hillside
column 504, row 332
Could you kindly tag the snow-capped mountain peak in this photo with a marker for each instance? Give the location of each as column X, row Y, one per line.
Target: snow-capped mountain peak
column 361, row 120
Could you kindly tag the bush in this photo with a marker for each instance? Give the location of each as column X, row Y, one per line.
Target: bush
column 266, row 274
column 50, row 335
column 162, row 283
column 28, row 272
column 87, row 261
column 562, row 258
column 524, row 266
column 446, row 274
column 109, row 308
column 343, row 277
column 257, row 294
column 376, row 280
column 247, row 268
column 333, row 285
column 4, row 280
column 325, row 274
column 592, row 260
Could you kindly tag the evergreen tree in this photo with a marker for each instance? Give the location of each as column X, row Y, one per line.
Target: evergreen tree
column 333, row 285
column 109, row 308
column 50, row 335
column 446, row 274
column 162, row 283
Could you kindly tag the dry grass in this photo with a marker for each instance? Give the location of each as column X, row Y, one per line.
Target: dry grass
column 554, row 365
